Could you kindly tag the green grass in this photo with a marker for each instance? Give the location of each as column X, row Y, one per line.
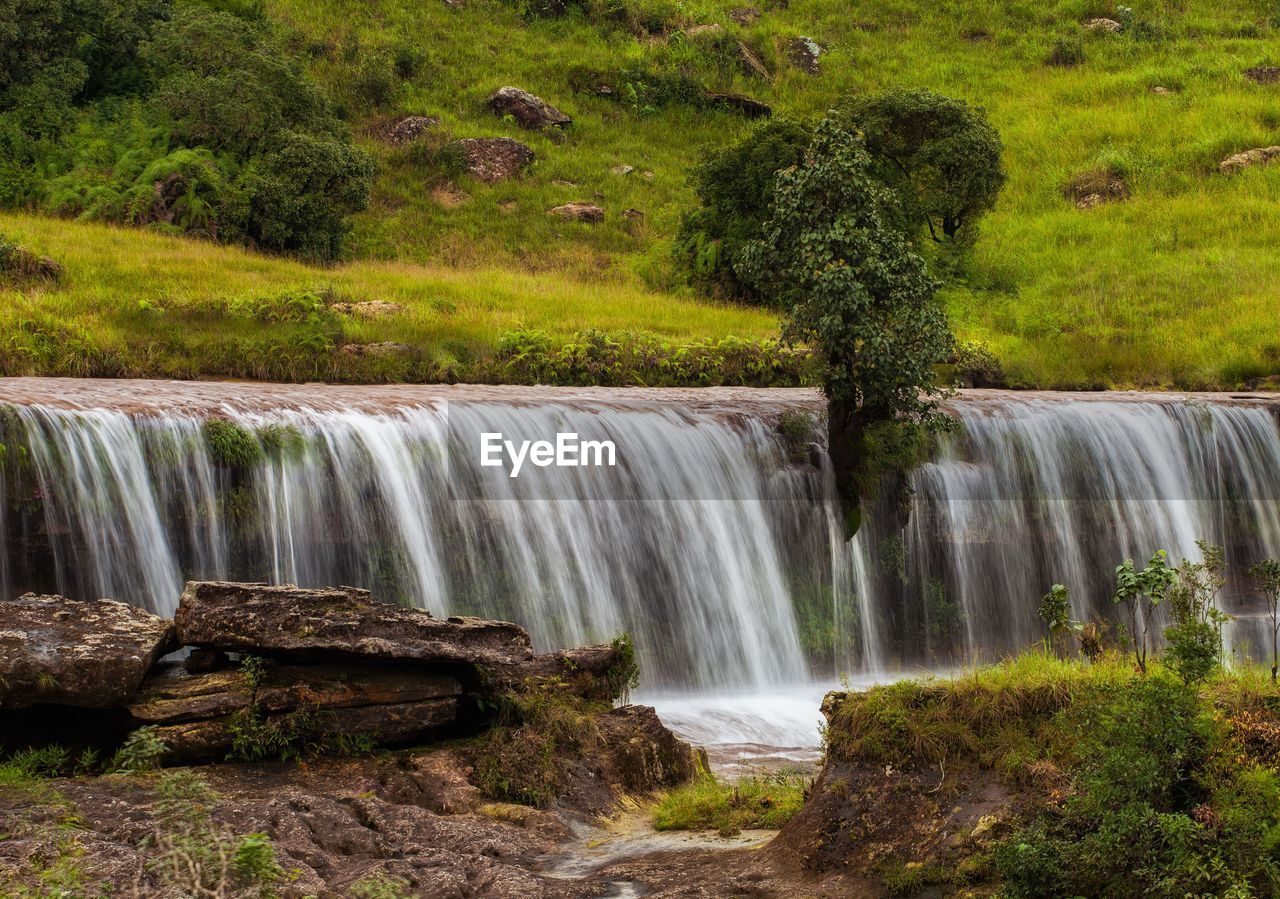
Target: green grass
column 135, row 303
column 760, row 802
column 1171, row 288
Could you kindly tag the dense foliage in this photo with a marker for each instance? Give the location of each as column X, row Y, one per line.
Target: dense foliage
column 735, row 189
column 940, row 154
column 185, row 118
column 853, row 289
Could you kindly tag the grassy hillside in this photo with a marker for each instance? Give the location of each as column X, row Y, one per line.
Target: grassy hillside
column 1170, row 287
column 134, row 303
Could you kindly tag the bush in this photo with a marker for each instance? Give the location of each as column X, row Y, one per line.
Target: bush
column 735, row 188
column 977, row 365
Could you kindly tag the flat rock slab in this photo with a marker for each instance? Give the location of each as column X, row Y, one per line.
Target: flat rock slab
column 344, row 621
column 85, row 654
column 388, row 725
column 172, row 699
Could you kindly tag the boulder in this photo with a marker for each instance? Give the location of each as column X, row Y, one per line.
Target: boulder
column 368, row 309
column 408, row 129
column 343, row 622
column 803, row 53
column 491, row 159
column 529, row 111
column 745, row 15
column 622, row 169
column 1104, row 26
column 1263, row 74
column 171, row 698
column 752, row 109
column 580, row 212
column 750, row 63
column 1249, row 158
column 638, row 754
column 85, row 654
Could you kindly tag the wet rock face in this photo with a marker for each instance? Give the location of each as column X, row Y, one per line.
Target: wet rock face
column 86, row 654
column 639, row 754
column 491, row 159
column 343, row 622
column 529, row 111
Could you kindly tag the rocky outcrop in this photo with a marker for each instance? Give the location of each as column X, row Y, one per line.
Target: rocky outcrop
column 1103, row 26
column 1238, row 162
column 492, row 159
column 407, row 129
column 529, row 111
column 746, row 106
column 85, row 654
column 638, row 753
column 579, row 212
column 343, row 622
column 1263, row 74
column 804, row 53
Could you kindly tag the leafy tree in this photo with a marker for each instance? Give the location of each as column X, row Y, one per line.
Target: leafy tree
column 299, row 195
column 940, row 153
column 1267, row 575
column 1195, row 637
column 852, row 289
column 1055, row 612
column 1142, row 591
column 225, row 83
column 735, row 187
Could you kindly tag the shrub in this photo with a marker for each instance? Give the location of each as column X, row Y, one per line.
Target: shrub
column 1195, row 638
column 977, row 365
column 231, row 444
column 141, row 752
column 735, row 188
column 1142, row 591
column 195, row 855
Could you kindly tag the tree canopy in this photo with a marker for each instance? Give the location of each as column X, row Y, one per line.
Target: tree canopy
column 939, row 153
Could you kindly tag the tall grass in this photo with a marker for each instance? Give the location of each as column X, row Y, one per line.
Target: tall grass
column 1171, row 288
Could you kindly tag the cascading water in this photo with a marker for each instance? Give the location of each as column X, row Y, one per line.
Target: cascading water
column 700, row 543
column 722, row 556
column 1039, row 489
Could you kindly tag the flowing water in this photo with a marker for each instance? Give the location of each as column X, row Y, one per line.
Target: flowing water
column 714, row 542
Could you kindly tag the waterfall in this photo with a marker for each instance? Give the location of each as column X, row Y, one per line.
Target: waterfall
column 705, row 542
column 1038, row 489
column 720, row 552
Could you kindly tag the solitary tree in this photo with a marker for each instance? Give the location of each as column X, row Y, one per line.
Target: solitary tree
column 1055, row 612
column 853, row 289
column 1142, row 591
column 1267, row 575
column 940, row 153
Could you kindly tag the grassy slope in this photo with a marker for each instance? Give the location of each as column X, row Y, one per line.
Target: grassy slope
column 1170, row 288
column 157, row 303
